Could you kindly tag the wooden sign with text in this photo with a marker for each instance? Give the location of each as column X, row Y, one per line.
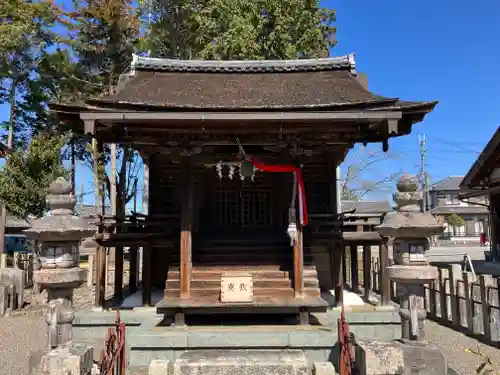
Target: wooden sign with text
column 236, row 287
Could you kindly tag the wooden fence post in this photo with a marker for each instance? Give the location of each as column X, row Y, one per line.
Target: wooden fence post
column 462, row 302
column 494, row 299
column 477, row 309
column 454, row 275
column 485, row 283
column 469, row 303
column 443, row 275
column 90, row 274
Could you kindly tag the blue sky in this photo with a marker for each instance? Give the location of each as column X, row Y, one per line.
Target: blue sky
column 444, row 50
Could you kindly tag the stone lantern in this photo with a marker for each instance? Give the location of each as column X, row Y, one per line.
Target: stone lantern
column 410, row 229
column 59, row 235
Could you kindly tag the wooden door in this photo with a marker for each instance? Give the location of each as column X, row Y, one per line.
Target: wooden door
column 240, row 205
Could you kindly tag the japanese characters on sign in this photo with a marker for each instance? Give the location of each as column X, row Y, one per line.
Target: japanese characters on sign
column 236, row 287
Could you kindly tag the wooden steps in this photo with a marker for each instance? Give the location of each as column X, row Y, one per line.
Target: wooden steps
column 268, row 259
column 214, row 294
column 205, row 281
column 258, row 283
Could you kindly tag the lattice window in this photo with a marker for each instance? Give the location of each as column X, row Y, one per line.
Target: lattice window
column 243, row 204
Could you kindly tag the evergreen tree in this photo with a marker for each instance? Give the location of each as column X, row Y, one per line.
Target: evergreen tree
column 104, row 34
column 27, row 175
column 25, row 38
column 239, row 29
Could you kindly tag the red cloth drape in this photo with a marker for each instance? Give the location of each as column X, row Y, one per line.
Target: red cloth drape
column 288, row 168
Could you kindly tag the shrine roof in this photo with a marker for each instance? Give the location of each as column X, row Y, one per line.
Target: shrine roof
column 327, row 83
column 479, row 175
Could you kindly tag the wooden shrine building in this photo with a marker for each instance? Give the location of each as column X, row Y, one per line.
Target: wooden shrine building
column 242, row 158
column 483, row 180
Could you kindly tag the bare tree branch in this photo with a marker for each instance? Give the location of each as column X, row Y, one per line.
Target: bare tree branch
column 353, row 186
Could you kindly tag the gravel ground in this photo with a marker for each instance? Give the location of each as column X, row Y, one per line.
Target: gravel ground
column 20, row 336
column 454, row 346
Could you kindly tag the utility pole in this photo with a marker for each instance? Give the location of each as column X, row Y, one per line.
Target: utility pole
column 423, row 173
column 10, row 142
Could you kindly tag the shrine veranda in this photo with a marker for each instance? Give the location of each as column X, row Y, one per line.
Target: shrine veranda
column 241, row 159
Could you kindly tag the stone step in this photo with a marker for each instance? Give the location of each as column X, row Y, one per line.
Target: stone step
column 211, row 273
column 244, row 248
column 248, row 257
column 242, row 267
column 257, row 283
column 242, row 362
column 257, row 292
column 257, row 241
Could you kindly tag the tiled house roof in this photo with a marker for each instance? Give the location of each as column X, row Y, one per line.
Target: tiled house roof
column 451, row 183
column 367, row 207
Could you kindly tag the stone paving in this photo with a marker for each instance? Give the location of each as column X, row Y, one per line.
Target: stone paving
column 21, row 335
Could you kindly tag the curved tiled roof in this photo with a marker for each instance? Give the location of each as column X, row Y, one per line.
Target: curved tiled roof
column 328, row 83
column 244, row 66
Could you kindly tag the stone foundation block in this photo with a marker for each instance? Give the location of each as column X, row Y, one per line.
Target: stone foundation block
column 424, row 359
column 323, row 368
column 379, row 358
column 242, row 362
column 15, row 277
column 159, row 367
column 4, row 299
column 71, row 359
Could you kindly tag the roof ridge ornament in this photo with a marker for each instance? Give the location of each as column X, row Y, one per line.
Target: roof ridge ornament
column 346, row 62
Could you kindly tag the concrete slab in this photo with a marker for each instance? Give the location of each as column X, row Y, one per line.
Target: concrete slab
column 242, row 362
column 323, row 368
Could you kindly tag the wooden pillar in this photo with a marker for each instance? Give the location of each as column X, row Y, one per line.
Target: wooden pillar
column 385, row 285
column 344, row 263
column 101, row 264
column 367, row 253
column 100, row 285
column 116, row 253
column 494, row 223
column 186, row 231
column 147, row 277
column 331, row 177
column 119, row 273
column 338, row 280
column 298, row 264
column 133, row 269
column 354, row 268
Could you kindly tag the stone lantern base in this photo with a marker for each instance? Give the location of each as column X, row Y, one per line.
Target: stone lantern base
column 67, row 359
column 398, row 358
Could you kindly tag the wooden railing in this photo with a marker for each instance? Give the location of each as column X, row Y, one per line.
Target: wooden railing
column 460, row 300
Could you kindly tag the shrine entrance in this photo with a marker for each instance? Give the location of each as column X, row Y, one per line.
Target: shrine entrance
column 243, row 208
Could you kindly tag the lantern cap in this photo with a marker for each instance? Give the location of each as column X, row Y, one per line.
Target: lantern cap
column 62, row 225
column 408, row 220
